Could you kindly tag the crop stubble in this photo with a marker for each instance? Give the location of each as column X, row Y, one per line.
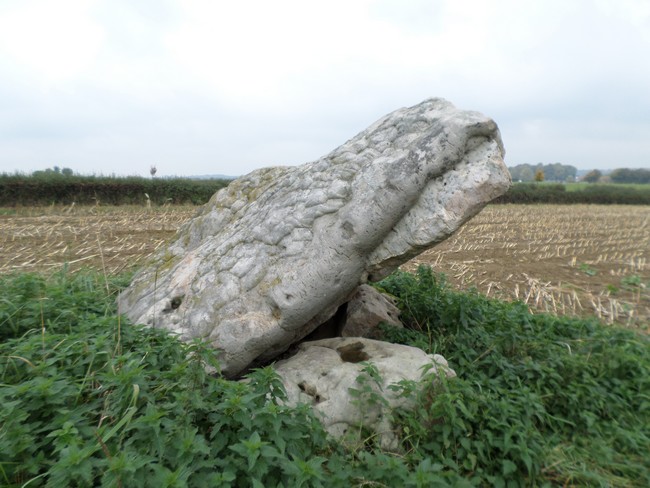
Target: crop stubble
column 110, row 239
column 564, row 259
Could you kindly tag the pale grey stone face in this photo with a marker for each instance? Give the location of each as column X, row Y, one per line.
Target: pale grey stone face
column 275, row 253
column 322, row 373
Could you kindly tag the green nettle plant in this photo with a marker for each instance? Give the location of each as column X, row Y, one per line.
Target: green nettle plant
column 87, row 399
column 538, row 399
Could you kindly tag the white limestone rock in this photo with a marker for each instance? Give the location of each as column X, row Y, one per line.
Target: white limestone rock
column 324, row 373
column 274, row 254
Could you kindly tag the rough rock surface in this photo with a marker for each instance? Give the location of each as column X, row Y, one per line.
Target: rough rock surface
column 368, row 308
column 276, row 253
column 322, row 373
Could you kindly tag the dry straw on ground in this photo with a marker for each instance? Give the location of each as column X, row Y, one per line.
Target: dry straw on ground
column 564, row 259
column 110, row 238
column 574, row 259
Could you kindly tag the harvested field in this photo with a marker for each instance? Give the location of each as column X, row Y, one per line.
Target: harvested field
column 564, row 259
column 113, row 239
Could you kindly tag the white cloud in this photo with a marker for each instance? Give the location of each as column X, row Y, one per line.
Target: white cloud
column 119, row 84
column 55, row 41
column 269, row 54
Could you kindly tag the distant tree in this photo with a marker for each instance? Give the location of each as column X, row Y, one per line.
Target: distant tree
column 526, row 174
column 153, row 170
column 626, row 175
column 561, row 172
column 53, row 171
column 551, row 171
column 522, row 172
column 622, row 175
column 514, row 172
column 43, row 172
column 570, row 173
column 539, row 175
column 592, row 177
column 558, row 172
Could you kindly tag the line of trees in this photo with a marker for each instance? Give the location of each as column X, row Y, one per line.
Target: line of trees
column 621, row 175
column 564, row 173
column 557, row 172
column 54, row 171
column 625, row 175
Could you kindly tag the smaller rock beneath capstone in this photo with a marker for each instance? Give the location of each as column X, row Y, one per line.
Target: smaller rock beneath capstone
column 346, row 381
column 368, row 308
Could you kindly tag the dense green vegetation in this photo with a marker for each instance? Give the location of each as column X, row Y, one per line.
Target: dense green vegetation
column 87, row 399
column 576, row 193
column 580, row 186
column 58, row 188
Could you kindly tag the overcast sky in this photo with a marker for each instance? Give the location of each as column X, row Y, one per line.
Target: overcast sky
column 224, row 87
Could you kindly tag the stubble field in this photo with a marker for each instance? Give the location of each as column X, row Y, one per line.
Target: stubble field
column 572, row 260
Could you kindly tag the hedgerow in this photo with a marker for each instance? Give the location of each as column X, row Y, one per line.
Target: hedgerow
column 50, row 188
column 557, row 193
column 87, row 399
column 57, row 189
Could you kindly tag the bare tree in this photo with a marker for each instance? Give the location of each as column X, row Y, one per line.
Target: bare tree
column 153, row 170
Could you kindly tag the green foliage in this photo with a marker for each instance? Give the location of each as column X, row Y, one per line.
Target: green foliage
column 626, row 175
column 87, row 399
column 588, row 270
column 634, row 283
column 532, row 193
column 370, row 388
column 538, row 398
column 557, row 193
column 54, row 171
column 63, row 188
column 592, row 177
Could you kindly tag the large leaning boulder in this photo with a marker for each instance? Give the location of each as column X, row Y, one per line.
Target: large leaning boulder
column 274, row 254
